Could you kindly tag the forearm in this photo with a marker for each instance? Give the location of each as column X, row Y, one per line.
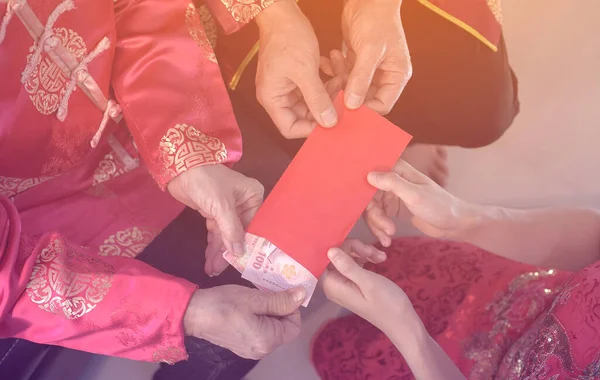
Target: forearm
column 566, row 238
column 56, row 292
column 277, row 16
column 424, row 356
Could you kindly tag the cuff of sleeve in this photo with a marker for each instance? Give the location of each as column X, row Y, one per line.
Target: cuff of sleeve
column 184, row 147
column 172, row 349
column 234, row 14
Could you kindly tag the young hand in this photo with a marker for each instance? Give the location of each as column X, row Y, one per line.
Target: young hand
column 436, row 212
column 367, row 294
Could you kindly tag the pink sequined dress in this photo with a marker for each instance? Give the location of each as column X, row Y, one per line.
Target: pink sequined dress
column 495, row 318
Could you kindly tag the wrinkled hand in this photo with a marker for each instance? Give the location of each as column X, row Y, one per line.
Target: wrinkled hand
column 288, row 85
column 249, row 322
column 227, row 199
column 435, row 212
column 371, row 296
column 374, row 35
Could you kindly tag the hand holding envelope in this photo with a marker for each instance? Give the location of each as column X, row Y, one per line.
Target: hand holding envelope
column 318, row 199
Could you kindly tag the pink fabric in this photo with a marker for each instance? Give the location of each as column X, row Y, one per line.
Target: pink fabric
column 72, row 218
column 495, row 318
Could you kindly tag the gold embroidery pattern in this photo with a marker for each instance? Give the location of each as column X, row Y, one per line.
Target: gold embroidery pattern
column 47, row 85
column 496, row 8
column 108, row 168
column 184, row 147
column 484, row 349
column 243, row 11
column 210, row 25
column 68, row 283
column 127, row 243
column 10, row 187
column 169, row 355
column 201, row 25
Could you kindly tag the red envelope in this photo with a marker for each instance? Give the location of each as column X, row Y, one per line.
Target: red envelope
column 324, row 190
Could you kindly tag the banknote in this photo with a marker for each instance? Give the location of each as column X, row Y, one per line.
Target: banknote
column 240, row 262
column 271, row 269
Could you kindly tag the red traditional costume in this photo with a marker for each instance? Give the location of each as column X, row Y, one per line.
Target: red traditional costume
column 77, row 198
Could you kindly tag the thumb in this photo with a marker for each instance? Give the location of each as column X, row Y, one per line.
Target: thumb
column 280, row 304
column 346, row 266
column 232, row 230
column 392, row 182
column 318, row 100
column 361, row 77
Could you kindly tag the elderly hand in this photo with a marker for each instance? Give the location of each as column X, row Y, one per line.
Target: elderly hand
column 249, row 322
column 436, row 212
column 227, row 199
column 288, row 85
column 373, row 33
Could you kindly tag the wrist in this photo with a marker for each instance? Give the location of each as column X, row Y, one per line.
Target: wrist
column 474, row 217
column 386, row 3
column 276, row 15
column 408, row 332
column 194, row 319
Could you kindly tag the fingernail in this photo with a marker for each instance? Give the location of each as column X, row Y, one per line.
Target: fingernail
column 238, row 248
column 332, row 254
column 329, row 117
column 372, row 177
column 352, row 101
column 381, row 256
column 298, row 294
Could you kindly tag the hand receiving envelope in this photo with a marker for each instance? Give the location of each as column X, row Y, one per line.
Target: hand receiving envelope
column 321, row 195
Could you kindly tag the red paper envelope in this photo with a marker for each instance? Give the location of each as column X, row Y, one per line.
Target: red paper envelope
column 324, row 190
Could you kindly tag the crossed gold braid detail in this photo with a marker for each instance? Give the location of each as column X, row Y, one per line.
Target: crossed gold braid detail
column 47, row 85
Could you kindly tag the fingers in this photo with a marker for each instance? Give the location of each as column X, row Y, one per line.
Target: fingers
column 358, row 249
column 279, row 304
column 340, row 290
column 282, row 330
column 361, row 76
column 393, row 182
column 406, row 171
column 380, row 225
column 388, row 87
column 215, row 263
column 317, row 99
column 232, row 230
column 284, row 111
column 346, row 266
column 340, row 65
column 291, row 326
column 326, row 66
